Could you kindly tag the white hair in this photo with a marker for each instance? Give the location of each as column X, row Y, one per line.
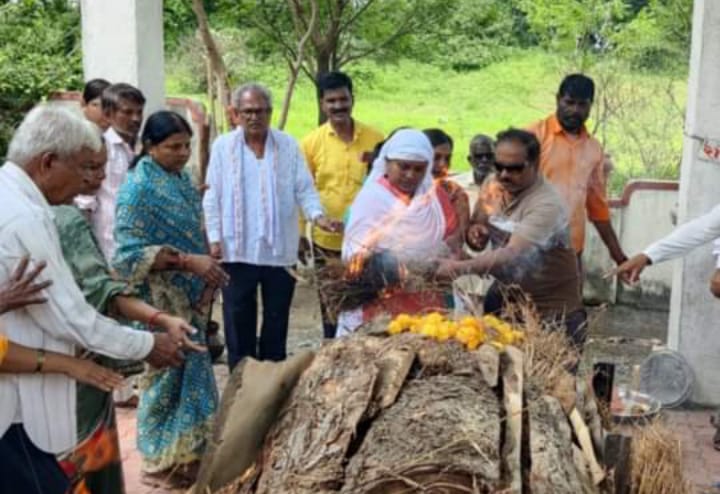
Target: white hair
column 53, row 128
column 251, row 87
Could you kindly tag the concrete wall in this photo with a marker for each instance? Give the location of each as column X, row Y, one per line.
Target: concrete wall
column 641, row 216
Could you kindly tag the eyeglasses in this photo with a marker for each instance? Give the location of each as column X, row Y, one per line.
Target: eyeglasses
column 253, row 112
column 510, row 168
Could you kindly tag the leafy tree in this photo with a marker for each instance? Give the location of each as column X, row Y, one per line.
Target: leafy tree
column 659, row 37
column 475, row 34
column 41, row 53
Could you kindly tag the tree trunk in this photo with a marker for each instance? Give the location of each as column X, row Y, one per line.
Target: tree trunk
column 217, row 64
column 323, row 67
column 297, row 64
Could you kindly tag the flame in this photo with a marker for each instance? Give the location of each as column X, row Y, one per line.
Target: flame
column 355, row 267
column 491, row 197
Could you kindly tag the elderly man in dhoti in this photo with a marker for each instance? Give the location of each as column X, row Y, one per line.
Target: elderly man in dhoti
column 401, row 215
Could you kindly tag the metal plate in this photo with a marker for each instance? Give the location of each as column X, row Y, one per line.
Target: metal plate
column 666, row 376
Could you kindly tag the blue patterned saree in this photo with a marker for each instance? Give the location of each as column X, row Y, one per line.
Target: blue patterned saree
column 158, row 209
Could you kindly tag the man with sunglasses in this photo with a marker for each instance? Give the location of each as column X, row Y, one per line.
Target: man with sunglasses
column 526, row 223
column 573, row 161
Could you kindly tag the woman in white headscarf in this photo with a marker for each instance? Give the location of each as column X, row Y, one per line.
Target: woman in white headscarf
column 400, row 211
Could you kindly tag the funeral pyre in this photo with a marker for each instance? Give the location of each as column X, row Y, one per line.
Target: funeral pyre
column 427, row 404
column 413, row 403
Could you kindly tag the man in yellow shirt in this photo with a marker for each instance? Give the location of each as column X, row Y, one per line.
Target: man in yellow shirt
column 336, row 153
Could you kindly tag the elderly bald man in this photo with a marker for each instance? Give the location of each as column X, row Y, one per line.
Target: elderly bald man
column 49, row 158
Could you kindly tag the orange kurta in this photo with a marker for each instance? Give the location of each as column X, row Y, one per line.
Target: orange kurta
column 574, row 165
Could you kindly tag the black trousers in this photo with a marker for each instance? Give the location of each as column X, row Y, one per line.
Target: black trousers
column 240, row 311
column 329, row 322
column 25, row 469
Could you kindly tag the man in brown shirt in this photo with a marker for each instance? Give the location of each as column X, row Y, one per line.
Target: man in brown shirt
column 526, row 222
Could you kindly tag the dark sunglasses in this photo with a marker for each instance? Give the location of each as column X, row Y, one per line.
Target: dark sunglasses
column 511, row 168
column 482, row 156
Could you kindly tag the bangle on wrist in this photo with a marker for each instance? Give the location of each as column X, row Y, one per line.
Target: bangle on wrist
column 39, row 360
column 152, row 321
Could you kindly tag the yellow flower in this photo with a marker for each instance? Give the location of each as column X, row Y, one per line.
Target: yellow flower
column 465, row 334
column 469, row 321
column 405, row 320
column 473, row 343
column 446, row 331
column 395, row 327
column 430, row 329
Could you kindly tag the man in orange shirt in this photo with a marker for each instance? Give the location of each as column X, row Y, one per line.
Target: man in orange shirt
column 572, row 160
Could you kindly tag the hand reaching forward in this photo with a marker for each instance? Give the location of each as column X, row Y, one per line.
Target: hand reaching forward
column 21, row 289
column 629, row 271
column 88, row 372
column 208, row 268
column 179, row 329
column 165, row 352
column 332, row 226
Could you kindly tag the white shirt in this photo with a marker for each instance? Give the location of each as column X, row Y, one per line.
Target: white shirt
column 251, row 205
column 102, row 205
column 686, row 237
column 45, row 403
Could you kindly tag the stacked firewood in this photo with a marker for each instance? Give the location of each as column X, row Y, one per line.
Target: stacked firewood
column 385, row 414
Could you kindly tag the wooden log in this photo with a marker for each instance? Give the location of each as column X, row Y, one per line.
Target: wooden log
column 512, row 379
column 488, row 361
column 618, row 459
column 583, row 435
column 306, row 449
column 441, row 435
column 553, row 469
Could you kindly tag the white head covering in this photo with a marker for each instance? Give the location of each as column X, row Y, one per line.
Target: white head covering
column 379, row 219
column 409, row 145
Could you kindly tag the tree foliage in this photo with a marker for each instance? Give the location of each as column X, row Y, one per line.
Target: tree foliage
column 473, row 35
column 41, row 54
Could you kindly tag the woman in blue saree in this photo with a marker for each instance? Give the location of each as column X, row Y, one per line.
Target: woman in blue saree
column 161, row 250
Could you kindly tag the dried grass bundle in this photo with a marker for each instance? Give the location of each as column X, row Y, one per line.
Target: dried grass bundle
column 342, row 291
column 549, row 353
column 657, row 466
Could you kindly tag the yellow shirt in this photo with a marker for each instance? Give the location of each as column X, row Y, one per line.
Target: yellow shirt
column 3, row 347
column 338, row 170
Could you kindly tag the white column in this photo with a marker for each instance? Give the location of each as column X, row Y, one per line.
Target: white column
column 122, row 41
column 694, row 313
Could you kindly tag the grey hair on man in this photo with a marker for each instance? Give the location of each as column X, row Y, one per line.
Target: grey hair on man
column 251, row 87
column 52, row 128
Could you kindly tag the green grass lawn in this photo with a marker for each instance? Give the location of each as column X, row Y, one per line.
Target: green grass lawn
column 643, row 134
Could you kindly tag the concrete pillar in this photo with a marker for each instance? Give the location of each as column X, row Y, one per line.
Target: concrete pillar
column 122, row 41
column 694, row 312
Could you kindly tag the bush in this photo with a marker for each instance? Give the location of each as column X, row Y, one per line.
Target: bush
column 44, row 56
